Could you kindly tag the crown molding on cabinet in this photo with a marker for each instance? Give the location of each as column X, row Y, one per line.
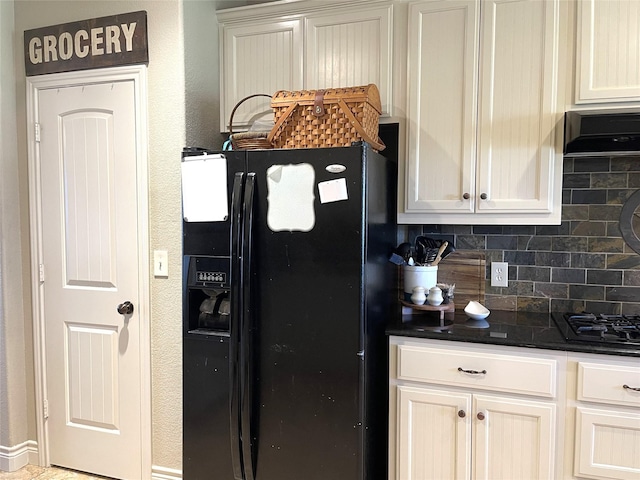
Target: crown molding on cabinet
column 290, row 9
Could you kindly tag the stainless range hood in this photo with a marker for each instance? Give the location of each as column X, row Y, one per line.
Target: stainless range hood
column 601, row 134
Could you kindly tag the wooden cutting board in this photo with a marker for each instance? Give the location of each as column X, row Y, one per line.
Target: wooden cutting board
column 465, row 268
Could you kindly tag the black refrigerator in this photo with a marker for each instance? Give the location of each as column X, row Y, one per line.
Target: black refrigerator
column 287, row 292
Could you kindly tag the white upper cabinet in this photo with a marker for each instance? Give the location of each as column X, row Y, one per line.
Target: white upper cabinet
column 608, row 51
column 442, row 106
column 350, row 48
column 518, row 107
column 258, row 57
column 302, row 45
column 484, row 113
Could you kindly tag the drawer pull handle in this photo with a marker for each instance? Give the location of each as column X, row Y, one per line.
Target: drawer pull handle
column 627, row 387
column 462, row 413
column 472, row 372
column 480, row 416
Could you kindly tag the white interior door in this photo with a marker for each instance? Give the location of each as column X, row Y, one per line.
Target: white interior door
column 90, row 251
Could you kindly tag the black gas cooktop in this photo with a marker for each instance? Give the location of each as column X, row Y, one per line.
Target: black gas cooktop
column 618, row 330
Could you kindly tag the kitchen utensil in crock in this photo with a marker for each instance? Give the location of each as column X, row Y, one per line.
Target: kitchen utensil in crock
column 440, row 252
column 422, row 250
column 397, row 259
column 430, row 256
column 405, row 250
column 447, row 251
column 428, row 242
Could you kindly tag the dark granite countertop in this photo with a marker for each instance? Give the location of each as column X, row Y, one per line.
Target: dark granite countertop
column 519, row 329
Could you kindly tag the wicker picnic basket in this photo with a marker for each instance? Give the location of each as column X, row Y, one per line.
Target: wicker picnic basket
column 334, row 117
column 248, row 140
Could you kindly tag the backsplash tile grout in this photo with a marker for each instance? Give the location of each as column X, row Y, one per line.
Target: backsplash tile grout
column 583, row 264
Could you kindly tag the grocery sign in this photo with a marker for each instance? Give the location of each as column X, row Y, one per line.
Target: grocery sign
column 95, row 43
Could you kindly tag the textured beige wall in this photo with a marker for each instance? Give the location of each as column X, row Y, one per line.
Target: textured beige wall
column 14, row 362
column 202, row 75
column 167, row 126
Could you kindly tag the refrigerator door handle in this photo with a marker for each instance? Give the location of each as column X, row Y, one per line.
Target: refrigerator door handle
column 235, row 325
column 246, row 335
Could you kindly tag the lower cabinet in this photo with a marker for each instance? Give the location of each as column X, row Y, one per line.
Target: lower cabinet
column 607, row 418
column 462, row 412
column 433, row 434
column 445, row 434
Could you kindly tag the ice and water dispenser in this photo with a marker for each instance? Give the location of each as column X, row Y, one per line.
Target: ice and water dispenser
column 207, row 295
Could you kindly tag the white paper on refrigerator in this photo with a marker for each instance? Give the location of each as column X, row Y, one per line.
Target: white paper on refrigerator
column 204, row 188
column 290, row 198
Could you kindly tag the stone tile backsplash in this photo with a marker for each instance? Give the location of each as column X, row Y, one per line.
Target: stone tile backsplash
column 583, row 264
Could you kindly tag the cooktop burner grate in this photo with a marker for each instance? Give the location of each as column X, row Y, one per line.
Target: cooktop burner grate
column 623, row 330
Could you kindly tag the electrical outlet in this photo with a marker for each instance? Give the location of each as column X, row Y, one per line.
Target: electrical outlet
column 499, row 274
column 160, row 263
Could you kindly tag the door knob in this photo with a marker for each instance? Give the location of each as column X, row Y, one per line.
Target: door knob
column 125, row 308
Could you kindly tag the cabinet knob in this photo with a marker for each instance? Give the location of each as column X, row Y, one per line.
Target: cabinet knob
column 466, row 196
column 462, row 413
column 627, row 387
column 480, row 416
column 483, row 196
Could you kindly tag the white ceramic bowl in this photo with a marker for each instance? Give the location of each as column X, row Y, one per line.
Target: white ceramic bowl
column 476, row 310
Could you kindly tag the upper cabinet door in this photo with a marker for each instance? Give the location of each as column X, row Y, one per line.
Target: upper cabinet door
column 258, row 58
column 349, row 48
column 517, row 106
column 608, row 51
column 443, row 62
column 483, row 113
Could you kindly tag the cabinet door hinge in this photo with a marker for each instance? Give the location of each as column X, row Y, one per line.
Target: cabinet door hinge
column 36, row 129
column 41, row 272
column 46, row 408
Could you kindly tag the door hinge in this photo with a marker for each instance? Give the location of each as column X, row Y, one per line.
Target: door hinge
column 46, row 409
column 36, row 128
column 41, row 272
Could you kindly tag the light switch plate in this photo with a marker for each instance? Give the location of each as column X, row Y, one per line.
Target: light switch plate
column 160, row 263
column 499, row 274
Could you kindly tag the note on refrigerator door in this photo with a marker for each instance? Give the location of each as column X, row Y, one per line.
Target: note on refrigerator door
column 290, row 198
column 204, row 188
column 333, row 190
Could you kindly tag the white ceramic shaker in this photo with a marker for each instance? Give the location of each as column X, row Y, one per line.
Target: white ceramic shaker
column 435, row 296
column 418, row 296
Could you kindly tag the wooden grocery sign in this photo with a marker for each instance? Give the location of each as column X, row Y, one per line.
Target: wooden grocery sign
column 95, row 43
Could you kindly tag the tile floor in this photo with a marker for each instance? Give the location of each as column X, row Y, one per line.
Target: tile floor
column 32, row 472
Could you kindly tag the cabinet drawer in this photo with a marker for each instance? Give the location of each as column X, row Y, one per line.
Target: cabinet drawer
column 602, row 383
column 479, row 370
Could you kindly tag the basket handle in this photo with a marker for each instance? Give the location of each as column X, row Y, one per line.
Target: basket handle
column 283, row 118
column 377, row 144
column 239, row 103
